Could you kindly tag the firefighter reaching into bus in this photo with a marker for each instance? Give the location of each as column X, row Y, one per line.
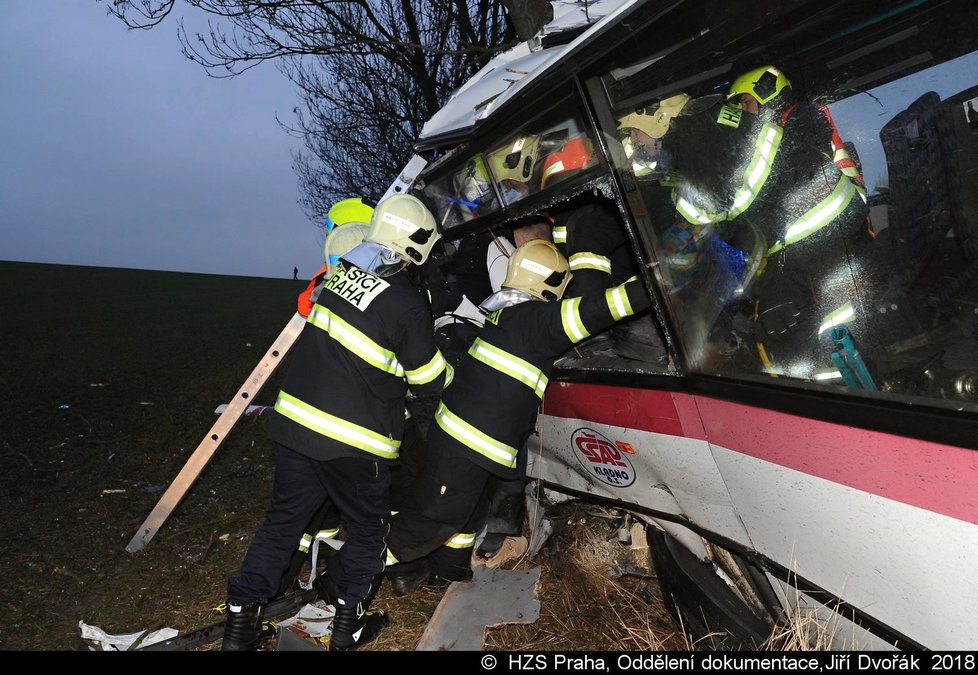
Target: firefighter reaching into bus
column 772, row 219
column 486, row 415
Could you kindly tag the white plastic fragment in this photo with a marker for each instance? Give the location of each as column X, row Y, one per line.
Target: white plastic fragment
column 102, row 641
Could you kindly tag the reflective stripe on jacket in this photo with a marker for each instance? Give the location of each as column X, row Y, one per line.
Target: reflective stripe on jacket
column 366, row 340
column 491, row 406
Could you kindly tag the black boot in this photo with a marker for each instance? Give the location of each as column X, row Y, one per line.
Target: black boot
column 354, row 627
column 406, row 577
column 242, row 628
column 448, row 564
column 326, row 583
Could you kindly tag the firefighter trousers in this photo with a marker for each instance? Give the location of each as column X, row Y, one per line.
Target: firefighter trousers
column 448, row 498
column 360, row 490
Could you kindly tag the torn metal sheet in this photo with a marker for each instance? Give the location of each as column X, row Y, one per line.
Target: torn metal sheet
column 494, row 597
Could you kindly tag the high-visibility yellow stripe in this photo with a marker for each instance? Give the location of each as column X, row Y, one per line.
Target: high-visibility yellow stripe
column 461, row 540
column 307, row 538
column 765, row 150
column 695, row 215
column 355, row 341
column 508, row 364
column 844, row 313
column 470, row 437
column 570, row 317
column 560, row 234
column 618, row 304
column 590, row 261
column 819, row 216
column 428, row 371
column 338, row 429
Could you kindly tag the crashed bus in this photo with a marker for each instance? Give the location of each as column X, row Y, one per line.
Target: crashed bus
column 839, row 484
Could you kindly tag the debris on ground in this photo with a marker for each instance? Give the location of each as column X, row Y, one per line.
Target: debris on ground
column 101, row 641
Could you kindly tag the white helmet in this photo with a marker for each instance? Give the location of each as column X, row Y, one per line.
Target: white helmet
column 403, row 224
column 340, row 241
column 540, row 269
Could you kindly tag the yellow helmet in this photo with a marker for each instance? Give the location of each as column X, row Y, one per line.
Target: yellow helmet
column 540, row 269
column 352, row 210
column 404, row 224
column 764, row 84
column 343, row 239
column 655, row 123
column 516, row 160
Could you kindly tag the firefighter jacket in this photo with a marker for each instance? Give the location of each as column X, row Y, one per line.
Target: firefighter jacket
column 491, row 406
column 810, row 207
column 366, row 341
column 593, row 240
column 809, row 188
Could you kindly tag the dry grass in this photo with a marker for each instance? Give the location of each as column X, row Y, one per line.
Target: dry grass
column 806, row 630
column 585, row 603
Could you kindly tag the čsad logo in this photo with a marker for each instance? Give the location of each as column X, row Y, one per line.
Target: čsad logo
column 602, row 459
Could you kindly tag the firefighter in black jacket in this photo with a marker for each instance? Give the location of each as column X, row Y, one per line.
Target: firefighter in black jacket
column 486, row 415
column 346, row 225
column 339, row 420
column 809, row 203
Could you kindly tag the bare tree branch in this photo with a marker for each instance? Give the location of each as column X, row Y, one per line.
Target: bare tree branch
column 369, row 73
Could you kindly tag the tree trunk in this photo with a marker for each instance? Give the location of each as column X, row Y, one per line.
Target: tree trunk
column 528, row 16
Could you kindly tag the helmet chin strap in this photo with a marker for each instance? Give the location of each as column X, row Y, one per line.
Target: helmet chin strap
column 376, row 259
column 505, row 297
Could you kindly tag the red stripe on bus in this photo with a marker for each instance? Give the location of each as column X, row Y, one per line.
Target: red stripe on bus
column 924, row 474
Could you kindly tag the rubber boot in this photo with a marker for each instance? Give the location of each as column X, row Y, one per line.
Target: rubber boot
column 354, row 627
column 448, row 564
column 242, row 628
column 325, row 583
column 406, row 577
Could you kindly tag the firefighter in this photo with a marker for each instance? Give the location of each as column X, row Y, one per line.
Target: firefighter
column 347, row 223
column 589, row 231
column 473, row 273
column 486, row 415
column 808, row 200
column 455, row 333
column 338, row 422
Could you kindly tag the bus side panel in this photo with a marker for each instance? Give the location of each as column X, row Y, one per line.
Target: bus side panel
column 630, row 447
column 909, row 568
column 928, row 475
column 883, row 522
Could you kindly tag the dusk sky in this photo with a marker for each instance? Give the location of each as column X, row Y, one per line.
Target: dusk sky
column 119, row 152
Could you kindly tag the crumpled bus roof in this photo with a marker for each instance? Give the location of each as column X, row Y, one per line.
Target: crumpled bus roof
column 509, row 72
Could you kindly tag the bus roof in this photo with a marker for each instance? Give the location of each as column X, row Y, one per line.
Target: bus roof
column 507, row 74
